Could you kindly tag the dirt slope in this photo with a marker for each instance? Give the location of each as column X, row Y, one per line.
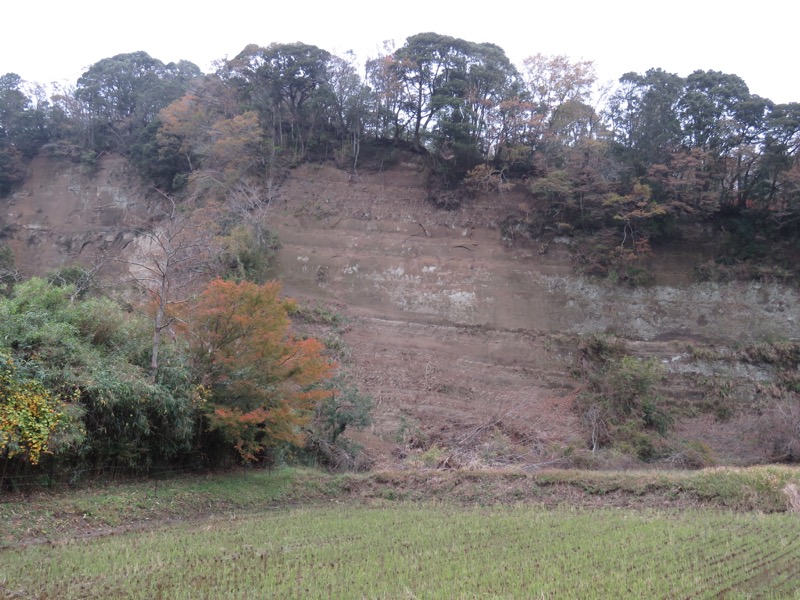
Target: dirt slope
column 470, row 338
column 465, row 338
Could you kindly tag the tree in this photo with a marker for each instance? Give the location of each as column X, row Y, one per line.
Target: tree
column 719, row 114
column 261, row 381
column 348, row 112
column 12, row 170
column 779, row 156
column 287, row 85
column 713, row 107
column 514, row 127
column 686, row 182
column 621, row 405
column 22, row 128
column 450, row 89
column 125, row 92
column 8, row 272
column 22, row 114
column 423, row 66
column 184, row 124
column 251, row 244
column 13, row 103
column 190, row 135
column 556, row 86
column 637, row 212
column 344, row 407
column 170, row 262
column 93, row 353
column 471, row 100
column 555, row 194
column 592, row 172
column 71, row 119
column 645, row 118
column 388, row 119
column 238, row 148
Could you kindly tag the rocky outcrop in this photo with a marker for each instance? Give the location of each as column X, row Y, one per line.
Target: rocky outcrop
column 457, row 326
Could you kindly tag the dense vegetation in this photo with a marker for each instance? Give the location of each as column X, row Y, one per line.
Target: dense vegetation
column 630, row 165
column 82, row 394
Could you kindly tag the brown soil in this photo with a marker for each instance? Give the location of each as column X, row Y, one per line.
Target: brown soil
column 463, row 331
column 466, row 336
column 67, row 213
column 435, row 304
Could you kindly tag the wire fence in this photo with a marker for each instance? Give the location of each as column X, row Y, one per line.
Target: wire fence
column 11, row 485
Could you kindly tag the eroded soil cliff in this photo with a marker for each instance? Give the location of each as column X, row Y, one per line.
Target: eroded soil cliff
column 467, row 339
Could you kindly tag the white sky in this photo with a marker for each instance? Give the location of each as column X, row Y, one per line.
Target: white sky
column 55, row 40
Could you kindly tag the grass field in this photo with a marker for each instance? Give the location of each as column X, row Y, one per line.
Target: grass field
column 427, row 552
column 414, row 535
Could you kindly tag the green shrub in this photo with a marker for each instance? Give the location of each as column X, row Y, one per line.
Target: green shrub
column 94, row 352
column 620, row 406
column 344, row 407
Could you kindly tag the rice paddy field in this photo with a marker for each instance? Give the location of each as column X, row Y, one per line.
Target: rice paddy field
column 422, row 549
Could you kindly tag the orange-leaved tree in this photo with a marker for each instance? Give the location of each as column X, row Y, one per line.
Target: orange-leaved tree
column 258, row 377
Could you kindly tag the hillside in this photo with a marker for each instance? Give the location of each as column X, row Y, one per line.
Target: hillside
column 473, row 344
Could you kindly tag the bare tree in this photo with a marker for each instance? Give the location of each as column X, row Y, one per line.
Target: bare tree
column 782, row 427
column 595, row 418
column 171, row 261
column 250, row 203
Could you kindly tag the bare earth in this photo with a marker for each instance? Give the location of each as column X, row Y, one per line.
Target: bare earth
column 464, row 336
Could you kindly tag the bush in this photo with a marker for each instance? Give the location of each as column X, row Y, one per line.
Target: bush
column 692, row 455
column 248, row 253
column 343, row 407
column 95, row 353
column 8, row 273
column 619, row 406
column 780, row 428
column 30, row 415
column 262, row 383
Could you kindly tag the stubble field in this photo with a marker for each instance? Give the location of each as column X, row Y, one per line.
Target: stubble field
column 289, row 537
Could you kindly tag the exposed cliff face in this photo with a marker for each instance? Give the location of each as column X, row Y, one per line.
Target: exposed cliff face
column 456, row 327
column 67, row 213
column 357, row 244
column 460, row 335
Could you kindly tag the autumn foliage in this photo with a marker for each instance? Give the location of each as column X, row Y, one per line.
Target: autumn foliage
column 258, row 378
column 29, row 414
column 233, row 383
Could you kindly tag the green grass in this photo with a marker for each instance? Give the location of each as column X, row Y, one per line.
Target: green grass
column 52, row 515
column 428, row 551
column 55, row 515
column 741, row 489
column 301, row 533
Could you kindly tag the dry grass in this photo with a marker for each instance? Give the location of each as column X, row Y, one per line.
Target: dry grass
column 793, row 497
column 102, row 510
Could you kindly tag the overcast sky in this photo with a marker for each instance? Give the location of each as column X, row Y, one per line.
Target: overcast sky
column 55, row 40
